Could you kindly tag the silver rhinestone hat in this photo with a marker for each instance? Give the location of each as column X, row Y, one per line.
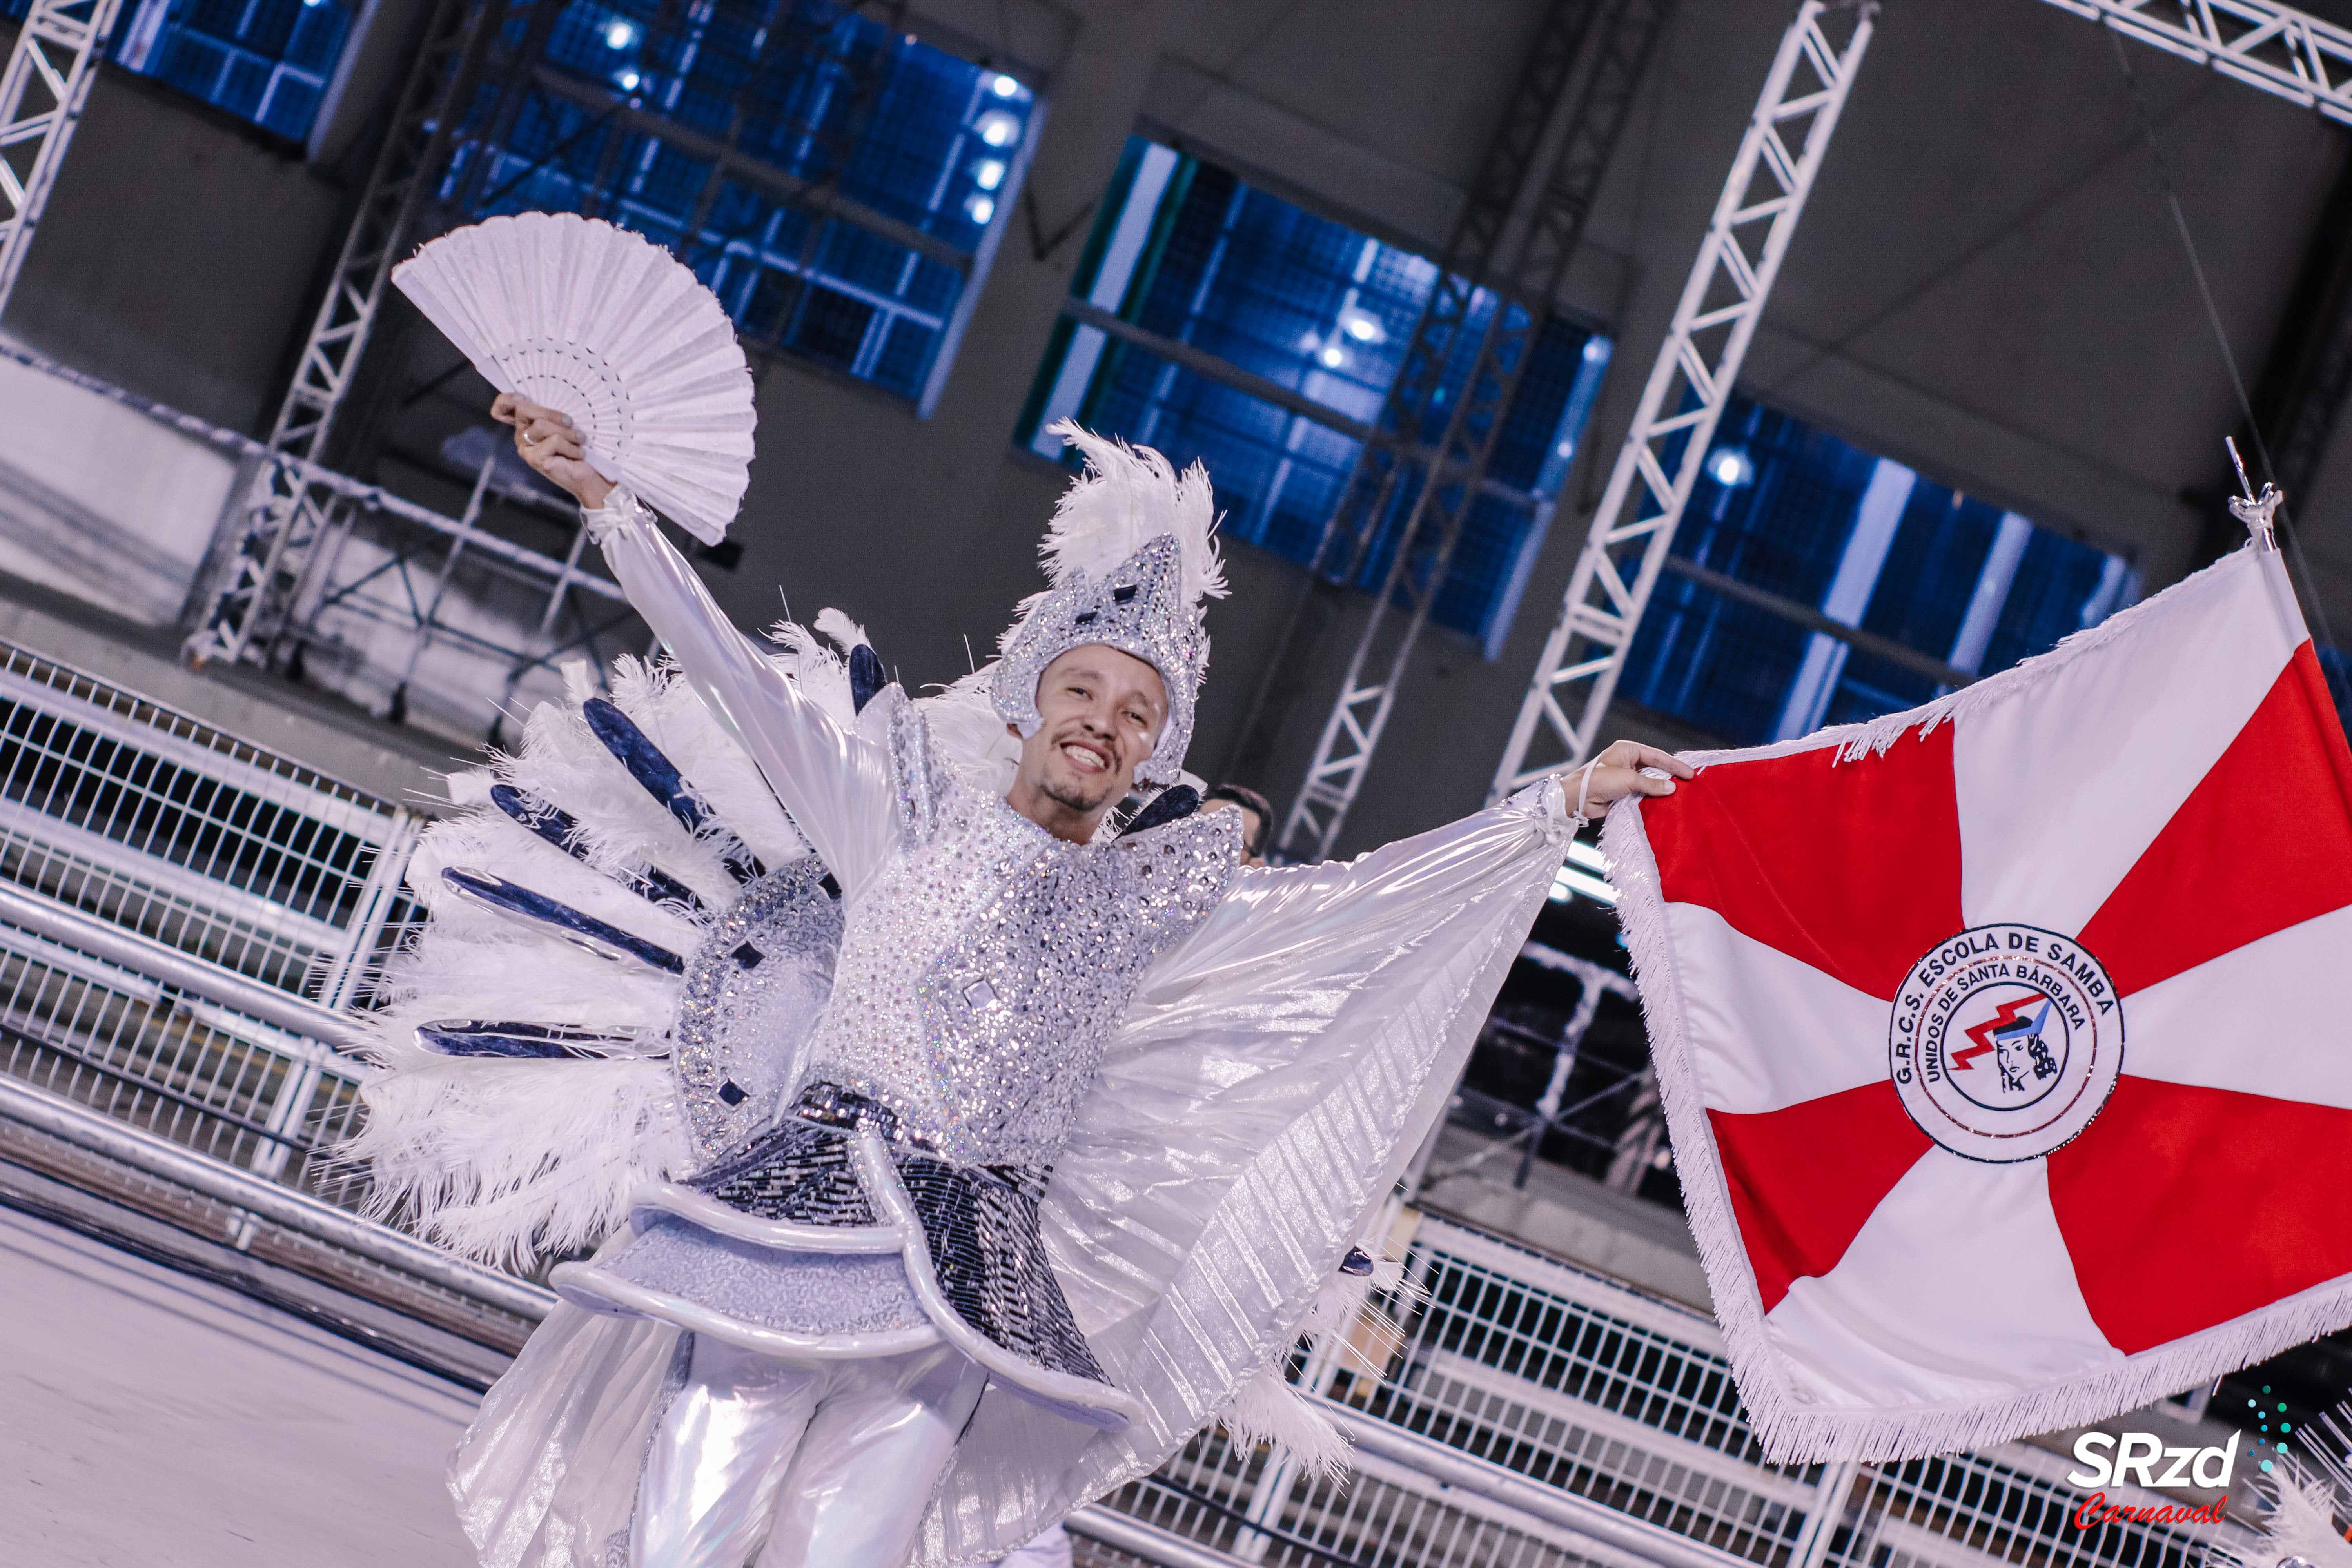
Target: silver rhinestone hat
column 1132, row 553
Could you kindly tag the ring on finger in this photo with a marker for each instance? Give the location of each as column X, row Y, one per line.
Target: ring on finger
column 533, row 440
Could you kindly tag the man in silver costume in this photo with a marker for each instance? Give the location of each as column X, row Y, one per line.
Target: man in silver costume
column 876, row 1358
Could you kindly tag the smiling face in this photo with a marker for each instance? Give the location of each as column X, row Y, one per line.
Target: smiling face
column 1102, row 711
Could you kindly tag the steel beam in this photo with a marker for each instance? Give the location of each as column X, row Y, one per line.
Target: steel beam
column 411, row 156
column 1692, row 379
column 2273, row 47
column 42, row 92
column 266, row 563
column 1525, row 213
column 2276, row 48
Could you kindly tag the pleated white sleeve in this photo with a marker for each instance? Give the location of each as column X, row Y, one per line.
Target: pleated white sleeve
column 1274, row 1073
column 837, row 785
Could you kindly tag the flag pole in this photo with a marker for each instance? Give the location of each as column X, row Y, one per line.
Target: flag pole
column 2255, row 511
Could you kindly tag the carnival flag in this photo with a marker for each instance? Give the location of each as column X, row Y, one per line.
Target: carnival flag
column 2006, row 1043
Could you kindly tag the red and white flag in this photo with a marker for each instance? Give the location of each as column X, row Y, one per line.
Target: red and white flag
column 2007, row 1044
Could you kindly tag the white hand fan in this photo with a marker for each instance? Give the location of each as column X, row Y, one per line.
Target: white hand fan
column 608, row 328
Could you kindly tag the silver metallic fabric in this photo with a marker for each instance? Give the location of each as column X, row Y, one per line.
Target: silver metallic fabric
column 781, row 1248
column 1138, row 607
column 1051, row 1550
column 757, row 981
column 799, row 1292
column 1266, row 1080
column 827, row 1465
column 983, row 969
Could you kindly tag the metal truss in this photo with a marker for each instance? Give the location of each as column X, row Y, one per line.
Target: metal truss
column 266, row 553
column 293, row 589
column 1689, row 383
column 1638, row 1133
column 2275, row 48
column 491, row 607
column 41, row 96
column 1525, row 213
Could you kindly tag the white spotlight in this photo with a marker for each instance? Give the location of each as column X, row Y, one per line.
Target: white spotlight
column 1005, row 86
column 981, row 208
column 619, row 35
column 1571, row 882
column 990, row 175
column 1730, row 467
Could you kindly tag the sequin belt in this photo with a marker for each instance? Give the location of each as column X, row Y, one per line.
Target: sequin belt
column 831, row 1105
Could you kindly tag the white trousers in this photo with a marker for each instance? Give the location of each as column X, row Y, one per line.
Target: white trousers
column 1051, row 1550
column 832, row 1463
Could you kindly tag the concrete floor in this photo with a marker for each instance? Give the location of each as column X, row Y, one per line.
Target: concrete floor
column 147, row 1418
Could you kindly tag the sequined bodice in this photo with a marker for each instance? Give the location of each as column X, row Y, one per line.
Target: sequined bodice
column 984, row 970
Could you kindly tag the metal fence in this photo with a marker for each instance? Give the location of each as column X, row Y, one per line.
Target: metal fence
column 202, row 1075
column 134, row 838
column 1589, row 1390
column 153, row 820
column 186, row 926
column 443, row 623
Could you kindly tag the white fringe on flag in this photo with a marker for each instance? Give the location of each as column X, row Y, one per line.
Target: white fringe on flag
column 1875, row 737
column 1794, row 1431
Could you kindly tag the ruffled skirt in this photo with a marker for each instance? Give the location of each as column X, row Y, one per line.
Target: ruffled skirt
column 819, row 1240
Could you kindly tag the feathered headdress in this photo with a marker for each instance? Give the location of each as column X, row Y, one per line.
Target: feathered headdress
column 1132, row 552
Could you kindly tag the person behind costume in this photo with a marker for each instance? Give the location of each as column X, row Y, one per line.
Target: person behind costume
column 1080, row 1131
column 1256, row 814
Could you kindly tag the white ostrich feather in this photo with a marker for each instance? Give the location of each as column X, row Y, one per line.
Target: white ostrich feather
column 488, row 840
column 621, row 827
column 495, row 1159
column 664, row 706
column 500, row 1160
column 1127, row 496
column 823, row 674
column 468, row 786
column 1269, row 1409
column 610, row 330
column 470, row 963
column 2300, row 1523
column 967, row 730
column 837, row 626
column 970, row 734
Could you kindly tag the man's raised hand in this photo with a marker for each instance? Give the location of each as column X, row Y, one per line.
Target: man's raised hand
column 1623, row 768
column 550, row 444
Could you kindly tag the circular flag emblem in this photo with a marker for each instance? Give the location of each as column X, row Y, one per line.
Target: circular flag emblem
column 2005, row 1042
